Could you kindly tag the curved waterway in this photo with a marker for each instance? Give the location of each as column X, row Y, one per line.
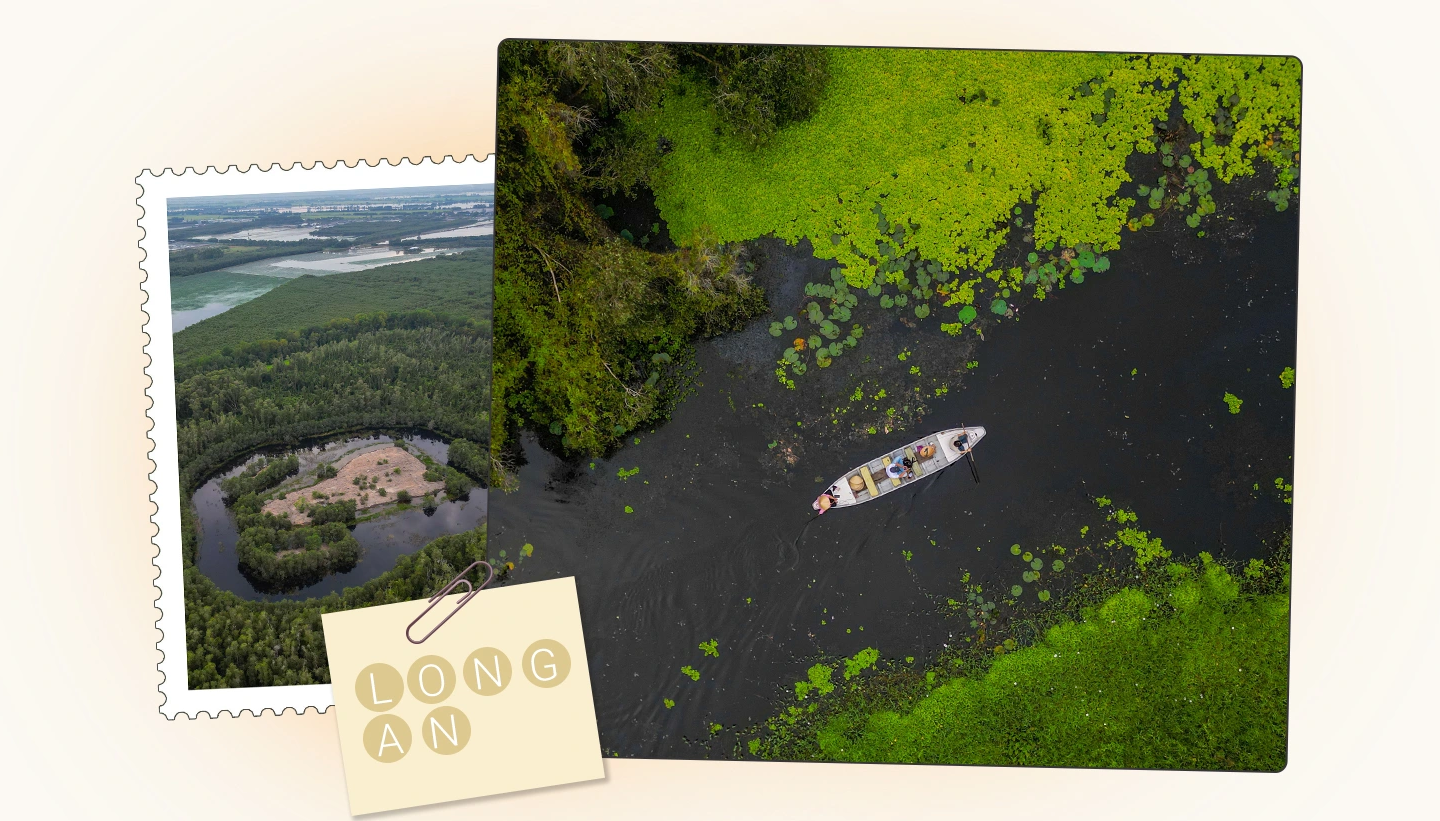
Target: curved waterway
column 382, row 539
column 1113, row 388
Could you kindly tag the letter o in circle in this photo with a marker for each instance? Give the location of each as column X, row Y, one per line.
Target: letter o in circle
column 431, row 679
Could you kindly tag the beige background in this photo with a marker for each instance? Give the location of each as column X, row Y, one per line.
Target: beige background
column 94, row 93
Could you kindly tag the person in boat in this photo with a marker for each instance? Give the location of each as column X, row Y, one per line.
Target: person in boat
column 899, row 470
column 825, row 501
column 962, row 444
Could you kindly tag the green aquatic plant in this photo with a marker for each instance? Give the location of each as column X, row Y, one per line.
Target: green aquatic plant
column 861, row 661
column 1130, row 680
column 943, row 156
column 1233, row 402
column 1287, row 378
column 1146, row 549
column 629, row 509
column 711, row 647
column 669, row 703
column 623, row 473
column 818, row 681
column 691, row 672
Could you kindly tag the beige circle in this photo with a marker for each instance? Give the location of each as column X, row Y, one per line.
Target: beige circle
column 483, row 667
column 379, row 687
column 387, row 738
column 431, row 679
column 446, row 730
column 546, row 663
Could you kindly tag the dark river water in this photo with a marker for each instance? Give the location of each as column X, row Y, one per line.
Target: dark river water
column 382, row 540
column 1110, row 388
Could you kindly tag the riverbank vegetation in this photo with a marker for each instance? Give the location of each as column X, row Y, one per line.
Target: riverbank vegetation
column 946, row 186
column 957, row 184
column 1146, row 664
column 213, row 257
column 233, row 642
column 592, row 326
column 277, row 556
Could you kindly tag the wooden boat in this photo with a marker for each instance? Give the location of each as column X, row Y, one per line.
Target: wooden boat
column 869, row 481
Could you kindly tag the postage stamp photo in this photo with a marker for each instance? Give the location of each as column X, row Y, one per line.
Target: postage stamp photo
column 319, row 363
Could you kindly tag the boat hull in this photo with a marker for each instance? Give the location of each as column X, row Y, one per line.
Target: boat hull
column 868, row 482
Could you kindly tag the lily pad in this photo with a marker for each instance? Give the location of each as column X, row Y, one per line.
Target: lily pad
column 999, row 307
column 1017, row 590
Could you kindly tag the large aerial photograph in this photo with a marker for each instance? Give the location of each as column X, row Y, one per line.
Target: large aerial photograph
column 888, row 405
column 332, row 371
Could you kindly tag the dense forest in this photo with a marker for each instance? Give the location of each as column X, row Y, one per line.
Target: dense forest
column 993, row 177
column 589, row 324
column 411, row 370
column 233, row 642
column 399, row 347
column 458, row 285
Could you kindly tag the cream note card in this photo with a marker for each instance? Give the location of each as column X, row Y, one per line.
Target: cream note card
column 496, row 700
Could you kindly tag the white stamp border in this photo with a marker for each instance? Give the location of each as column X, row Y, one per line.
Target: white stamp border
column 156, row 189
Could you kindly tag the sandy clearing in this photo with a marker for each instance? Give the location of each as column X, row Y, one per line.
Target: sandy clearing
column 378, row 469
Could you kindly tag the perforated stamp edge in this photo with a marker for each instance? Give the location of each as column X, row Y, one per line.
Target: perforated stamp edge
column 155, row 190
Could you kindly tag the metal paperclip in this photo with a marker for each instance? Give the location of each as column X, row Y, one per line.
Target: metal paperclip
column 470, row 592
